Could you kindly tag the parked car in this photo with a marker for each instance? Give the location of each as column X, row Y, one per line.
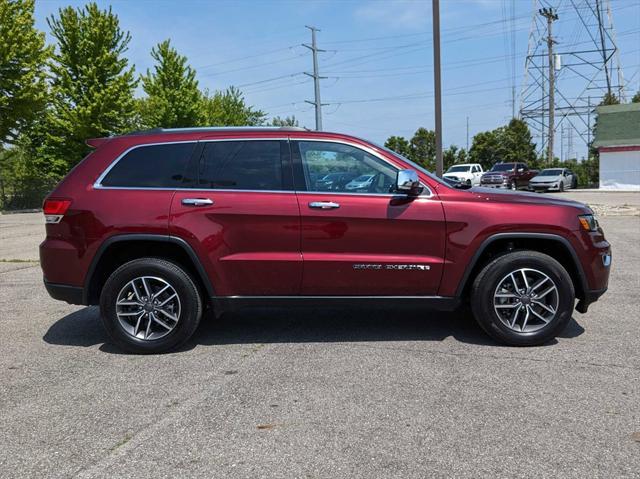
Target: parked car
column 466, row 173
column 362, row 182
column 508, row 175
column 553, row 179
column 157, row 227
column 334, row 181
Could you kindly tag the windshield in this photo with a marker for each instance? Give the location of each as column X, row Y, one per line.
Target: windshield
column 331, row 176
column 458, row 169
column 554, row 172
column 363, row 178
column 502, row 167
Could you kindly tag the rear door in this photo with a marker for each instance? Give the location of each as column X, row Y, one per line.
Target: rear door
column 240, row 214
column 367, row 240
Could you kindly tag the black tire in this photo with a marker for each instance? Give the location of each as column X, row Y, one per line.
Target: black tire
column 513, row 185
column 561, row 186
column 486, row 283
column 469, row 183
column 574, row 183
column 180, row 281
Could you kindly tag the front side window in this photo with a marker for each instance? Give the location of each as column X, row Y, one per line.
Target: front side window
column 343, row 168
column 241, row 165
column 152, row 166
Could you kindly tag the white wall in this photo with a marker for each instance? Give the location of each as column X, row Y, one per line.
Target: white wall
column 620, row 170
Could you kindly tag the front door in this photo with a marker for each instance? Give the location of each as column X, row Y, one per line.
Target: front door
column 358, row 238
column 241, row 216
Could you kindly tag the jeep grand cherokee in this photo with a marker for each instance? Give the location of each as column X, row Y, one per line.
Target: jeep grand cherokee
column 156, row 226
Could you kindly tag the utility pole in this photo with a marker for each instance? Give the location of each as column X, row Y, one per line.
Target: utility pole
column 437, row 85
column 551, row 17
column 316, row 77
column 467, row 134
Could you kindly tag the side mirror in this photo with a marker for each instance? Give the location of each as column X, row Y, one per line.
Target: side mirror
column 407, row 182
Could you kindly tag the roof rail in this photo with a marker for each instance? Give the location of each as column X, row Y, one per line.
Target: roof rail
column 205, row 129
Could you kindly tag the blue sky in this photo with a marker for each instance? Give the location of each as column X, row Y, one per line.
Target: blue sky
column 378, row 59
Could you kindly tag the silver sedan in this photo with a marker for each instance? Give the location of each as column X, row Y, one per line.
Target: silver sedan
column 553, row 179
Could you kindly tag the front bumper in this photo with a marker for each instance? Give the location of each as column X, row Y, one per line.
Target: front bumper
column 495, row 185
column 542, row 187
column 589, row 297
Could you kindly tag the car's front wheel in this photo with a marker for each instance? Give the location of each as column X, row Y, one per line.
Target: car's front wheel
column 524, row 298
column 150, row 305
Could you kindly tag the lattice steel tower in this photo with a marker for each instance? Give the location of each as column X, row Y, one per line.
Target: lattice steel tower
column 580, row 59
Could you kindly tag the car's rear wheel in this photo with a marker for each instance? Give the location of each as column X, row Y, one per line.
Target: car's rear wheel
column 524, row 298
column 150, row 305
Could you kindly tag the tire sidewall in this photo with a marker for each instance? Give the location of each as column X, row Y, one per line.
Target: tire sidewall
column 190, row 305
column 482, row 300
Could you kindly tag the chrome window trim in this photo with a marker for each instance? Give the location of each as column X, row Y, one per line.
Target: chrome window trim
column 372, row 152
column 98, row 183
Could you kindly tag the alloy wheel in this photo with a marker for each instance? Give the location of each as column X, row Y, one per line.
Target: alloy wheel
column 148, row 308
column 526, row 300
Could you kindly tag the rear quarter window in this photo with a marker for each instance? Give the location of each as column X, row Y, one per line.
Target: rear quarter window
column 152, row 166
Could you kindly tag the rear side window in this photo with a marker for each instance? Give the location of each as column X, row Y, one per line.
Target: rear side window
column 241, row 165
column 153, row 166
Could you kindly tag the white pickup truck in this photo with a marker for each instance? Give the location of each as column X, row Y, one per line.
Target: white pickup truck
column 468, row 173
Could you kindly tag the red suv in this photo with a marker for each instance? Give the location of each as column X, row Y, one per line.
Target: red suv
column 157, row 226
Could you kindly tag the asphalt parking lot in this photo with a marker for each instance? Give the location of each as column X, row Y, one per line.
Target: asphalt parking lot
column 322, row 393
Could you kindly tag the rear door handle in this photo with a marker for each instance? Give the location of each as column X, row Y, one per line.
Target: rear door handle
column 324, row 205
column 197, row 201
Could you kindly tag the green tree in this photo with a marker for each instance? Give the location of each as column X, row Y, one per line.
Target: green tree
column 610, row 99
column 486, row 149
column 399, row 144
column 23, row 89
column 450, row 157
column 636, row 97
column 91, row 83
column 509, row 143
column 173, row 98
column 422, row 148
column 516, row 142
column 228, row 108
column 286, row 121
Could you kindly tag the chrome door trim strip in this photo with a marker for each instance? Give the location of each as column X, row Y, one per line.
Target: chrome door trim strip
column 98, row 183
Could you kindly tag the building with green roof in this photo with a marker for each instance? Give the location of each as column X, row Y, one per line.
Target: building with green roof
column 617, row 139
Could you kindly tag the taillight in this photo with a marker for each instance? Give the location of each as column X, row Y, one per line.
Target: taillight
column 54, row 209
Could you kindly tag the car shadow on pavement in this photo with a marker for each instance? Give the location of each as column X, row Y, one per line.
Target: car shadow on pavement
column 83, row 328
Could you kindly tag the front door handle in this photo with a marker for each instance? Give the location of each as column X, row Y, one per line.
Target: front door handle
column 197, row 201
column 324, row 205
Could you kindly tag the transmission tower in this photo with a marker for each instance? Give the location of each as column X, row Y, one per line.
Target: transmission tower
column 568, row 70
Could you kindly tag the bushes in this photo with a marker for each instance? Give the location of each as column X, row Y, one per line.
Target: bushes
column 22, row 185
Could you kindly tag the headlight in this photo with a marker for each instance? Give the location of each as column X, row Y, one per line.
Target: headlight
column 588, row 222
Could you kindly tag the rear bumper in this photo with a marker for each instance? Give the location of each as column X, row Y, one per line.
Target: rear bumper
column 65, row 292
